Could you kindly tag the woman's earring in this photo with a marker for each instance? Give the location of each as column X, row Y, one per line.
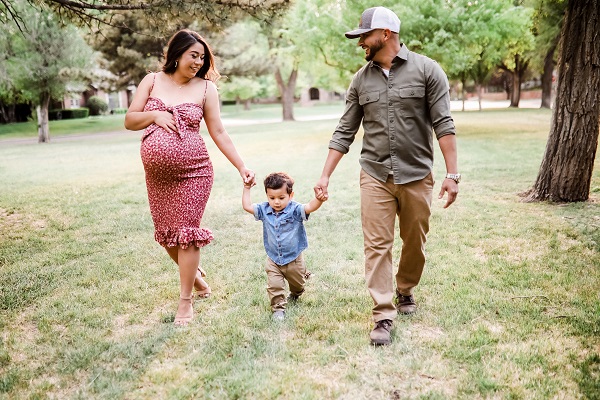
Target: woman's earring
column 175, row 64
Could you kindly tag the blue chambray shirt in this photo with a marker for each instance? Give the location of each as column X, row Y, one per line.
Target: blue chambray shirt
column 284, row 235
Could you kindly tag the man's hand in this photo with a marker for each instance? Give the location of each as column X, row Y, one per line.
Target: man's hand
column 321, row 189
column 451, row 187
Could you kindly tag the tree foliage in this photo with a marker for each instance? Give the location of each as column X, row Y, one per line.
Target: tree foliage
column 43, row 59
column 156, row 12
column 243, row 49
column 547, row 22
column 242, row 52
column 131, row 48
column 135, row 41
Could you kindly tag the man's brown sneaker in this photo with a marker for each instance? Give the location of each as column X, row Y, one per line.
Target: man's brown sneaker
column 405, row 304
column 380, row 335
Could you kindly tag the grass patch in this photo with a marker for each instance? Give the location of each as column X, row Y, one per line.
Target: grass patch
column 508, row 304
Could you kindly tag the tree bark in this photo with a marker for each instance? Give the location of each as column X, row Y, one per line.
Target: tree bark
column 549, row 65
column 42, row 117
column 566, row 170
column 287, row 89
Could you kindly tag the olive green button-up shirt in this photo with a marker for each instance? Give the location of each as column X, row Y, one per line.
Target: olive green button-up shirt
column 399, row 113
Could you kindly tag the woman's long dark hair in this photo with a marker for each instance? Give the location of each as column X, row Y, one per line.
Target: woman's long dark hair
column 179, row 43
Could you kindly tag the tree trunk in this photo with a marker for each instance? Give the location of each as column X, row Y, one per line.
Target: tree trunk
column 515, row 93
column 516, row 76
column 506, row 83
column 287, row 92
column 566, row 170
column 12, row 113
column 3, row 115
column 42, row 117
column 547, row 78
column 463, row 82
column 479, row 89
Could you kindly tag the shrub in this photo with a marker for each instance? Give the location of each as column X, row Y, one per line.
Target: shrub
column 75, row 113
column 70, row 113
column 118, row 111
column 54, row 115
column 96, row 105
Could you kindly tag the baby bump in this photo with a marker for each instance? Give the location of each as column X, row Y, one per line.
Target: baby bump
column 167, row 155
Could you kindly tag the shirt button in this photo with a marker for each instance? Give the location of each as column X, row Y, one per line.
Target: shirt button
column 392, row 138
column 412, row 93
column 368, row 99
column 390, row 86
column 390, row 103
column 391, row 120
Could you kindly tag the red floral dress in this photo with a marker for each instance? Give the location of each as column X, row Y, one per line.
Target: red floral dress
column 179, row 175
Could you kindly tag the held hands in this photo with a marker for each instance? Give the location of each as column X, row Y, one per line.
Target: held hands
column 165, row 120
column 451, row 187
column 321, row 189
column 248, row 177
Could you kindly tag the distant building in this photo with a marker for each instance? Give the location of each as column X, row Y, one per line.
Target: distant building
column 77, row 95
column 315, row 95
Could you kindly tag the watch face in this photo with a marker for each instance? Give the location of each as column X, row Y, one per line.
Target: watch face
column 454, row 177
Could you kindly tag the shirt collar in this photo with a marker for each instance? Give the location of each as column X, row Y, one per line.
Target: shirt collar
column 284, row 211
column 402, row 55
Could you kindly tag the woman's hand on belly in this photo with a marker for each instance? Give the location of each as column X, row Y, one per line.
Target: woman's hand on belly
column 165, row 120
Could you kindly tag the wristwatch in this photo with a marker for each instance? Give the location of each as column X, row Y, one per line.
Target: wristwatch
column 454, row 177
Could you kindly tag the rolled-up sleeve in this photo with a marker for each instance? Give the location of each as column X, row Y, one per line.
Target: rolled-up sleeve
column 438, row 96
column 345, row 132
column 258, row 212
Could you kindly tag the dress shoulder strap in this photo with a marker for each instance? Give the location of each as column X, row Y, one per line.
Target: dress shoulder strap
column 153, row 80
column 205, row 87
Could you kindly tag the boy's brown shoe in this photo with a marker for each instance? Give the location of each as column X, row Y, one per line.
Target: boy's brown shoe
column 405, row 304
column 380, row 335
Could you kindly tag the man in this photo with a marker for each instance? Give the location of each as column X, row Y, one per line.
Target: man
column 402, row 99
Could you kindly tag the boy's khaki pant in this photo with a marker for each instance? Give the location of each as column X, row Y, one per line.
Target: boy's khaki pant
column 294, row 273
column 380, row 203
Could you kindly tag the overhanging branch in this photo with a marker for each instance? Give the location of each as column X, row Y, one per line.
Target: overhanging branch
column 91, row 6
column 101, row 12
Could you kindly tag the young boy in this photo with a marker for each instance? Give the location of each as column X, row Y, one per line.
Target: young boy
column 284, row 238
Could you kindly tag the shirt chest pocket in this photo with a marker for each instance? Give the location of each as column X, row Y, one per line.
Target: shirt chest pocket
column 370, row 104
column 286, row 224
column 412, row 100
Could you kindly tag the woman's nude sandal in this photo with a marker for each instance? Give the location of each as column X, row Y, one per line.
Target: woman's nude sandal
column 184, row 320
column 202, row 293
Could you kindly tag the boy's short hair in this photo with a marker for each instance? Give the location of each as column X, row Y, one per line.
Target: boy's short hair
column 276, row 180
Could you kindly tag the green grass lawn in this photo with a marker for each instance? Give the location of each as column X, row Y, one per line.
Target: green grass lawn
column 509, row 304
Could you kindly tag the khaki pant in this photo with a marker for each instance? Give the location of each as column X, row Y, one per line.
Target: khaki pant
column 380, row 203
column 293, row 272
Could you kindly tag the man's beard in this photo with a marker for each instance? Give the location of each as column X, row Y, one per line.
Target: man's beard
column 373, row 50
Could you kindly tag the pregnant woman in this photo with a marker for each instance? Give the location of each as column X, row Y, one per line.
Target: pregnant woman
column 170, row 105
